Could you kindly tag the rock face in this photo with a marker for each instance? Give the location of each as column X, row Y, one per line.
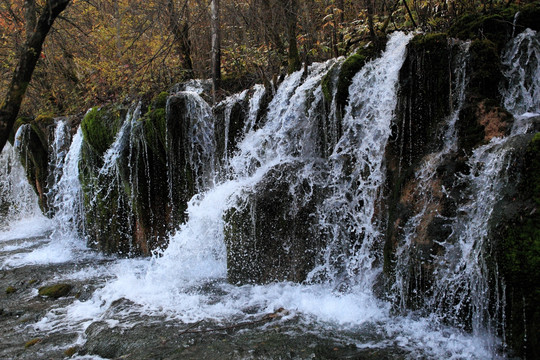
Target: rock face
column 139, row 175
column 515, row 229
column 32, row 141
column 427, row 185
column 272, row 233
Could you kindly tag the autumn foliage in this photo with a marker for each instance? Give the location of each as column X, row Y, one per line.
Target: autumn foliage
column 110, row 50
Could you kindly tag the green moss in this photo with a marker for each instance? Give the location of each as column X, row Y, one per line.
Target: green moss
column 44, row 119
column 494, row 27
column 327, row 83
column 31, row 343
column 431, row 41
column 349, row 68
column 55, row 291
column 498, row 25
column 100, row 126
column 10, row 290
column 160, row 101
column 155, row 125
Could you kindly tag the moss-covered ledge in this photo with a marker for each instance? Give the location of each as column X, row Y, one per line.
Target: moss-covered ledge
column 497, row 25
column 348, row 69
column 100, row 126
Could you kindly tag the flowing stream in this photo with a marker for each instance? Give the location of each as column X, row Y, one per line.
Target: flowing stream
column 184, row 286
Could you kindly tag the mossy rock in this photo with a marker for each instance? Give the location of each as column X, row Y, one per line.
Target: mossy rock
column 32, row 342
column 521, row 248
column 34, row 158
column 423, row 98
column 18, row 123
column 160, row 100
column 100, row 125
column 44, row 120
column 348, row 70
column 71, row 351
column 55, row 291
column 430, row 42
column 496, row 27
column 516, row 234
column 10, row 290
column 328, row 83
column 155, row 125
column 486, row 73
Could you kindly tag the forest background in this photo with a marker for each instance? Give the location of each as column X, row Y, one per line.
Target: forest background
column 101, row 51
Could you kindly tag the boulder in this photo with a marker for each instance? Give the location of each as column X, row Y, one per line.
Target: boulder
column 272, row 233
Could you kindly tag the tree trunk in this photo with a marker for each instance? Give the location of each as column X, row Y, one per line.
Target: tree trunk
column 409, row 12
column 30, row 17
column 291, row 10
column 180, row 31
column 369, row 6
column 216, row 48
column 9, row 109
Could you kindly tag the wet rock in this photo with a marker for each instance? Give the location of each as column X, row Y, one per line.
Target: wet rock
column 230, row 117
column 32, row 342
column 515, row 231
column 424, row 103
column 55, row 291
column 140, row 195
column 272, row 233
column 33, row 147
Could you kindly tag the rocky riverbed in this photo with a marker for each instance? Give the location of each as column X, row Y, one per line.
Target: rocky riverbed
column 28, row 334
column 48, row 311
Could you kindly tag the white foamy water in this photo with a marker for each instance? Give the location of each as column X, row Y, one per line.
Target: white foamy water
column 20, row 215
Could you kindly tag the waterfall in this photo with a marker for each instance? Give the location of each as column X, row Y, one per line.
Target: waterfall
column 521, row 67
column 17, row 198
column 67, row 199
column 357, row 172
column 428, row 191
column 254, row 107
column 462, row 275
column 287, row 205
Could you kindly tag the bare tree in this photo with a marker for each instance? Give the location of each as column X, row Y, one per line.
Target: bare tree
column 179, row 25
column 9, row 109
column 291, row 13
column 216, row 47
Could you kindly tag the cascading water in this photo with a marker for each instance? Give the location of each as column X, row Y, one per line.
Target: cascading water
column 521, row 64
column 357, row 171
column 17, row 198
column 427, row 192
column 338, row 172
column 254, row 106
column 462, row 287
column 67, row 191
